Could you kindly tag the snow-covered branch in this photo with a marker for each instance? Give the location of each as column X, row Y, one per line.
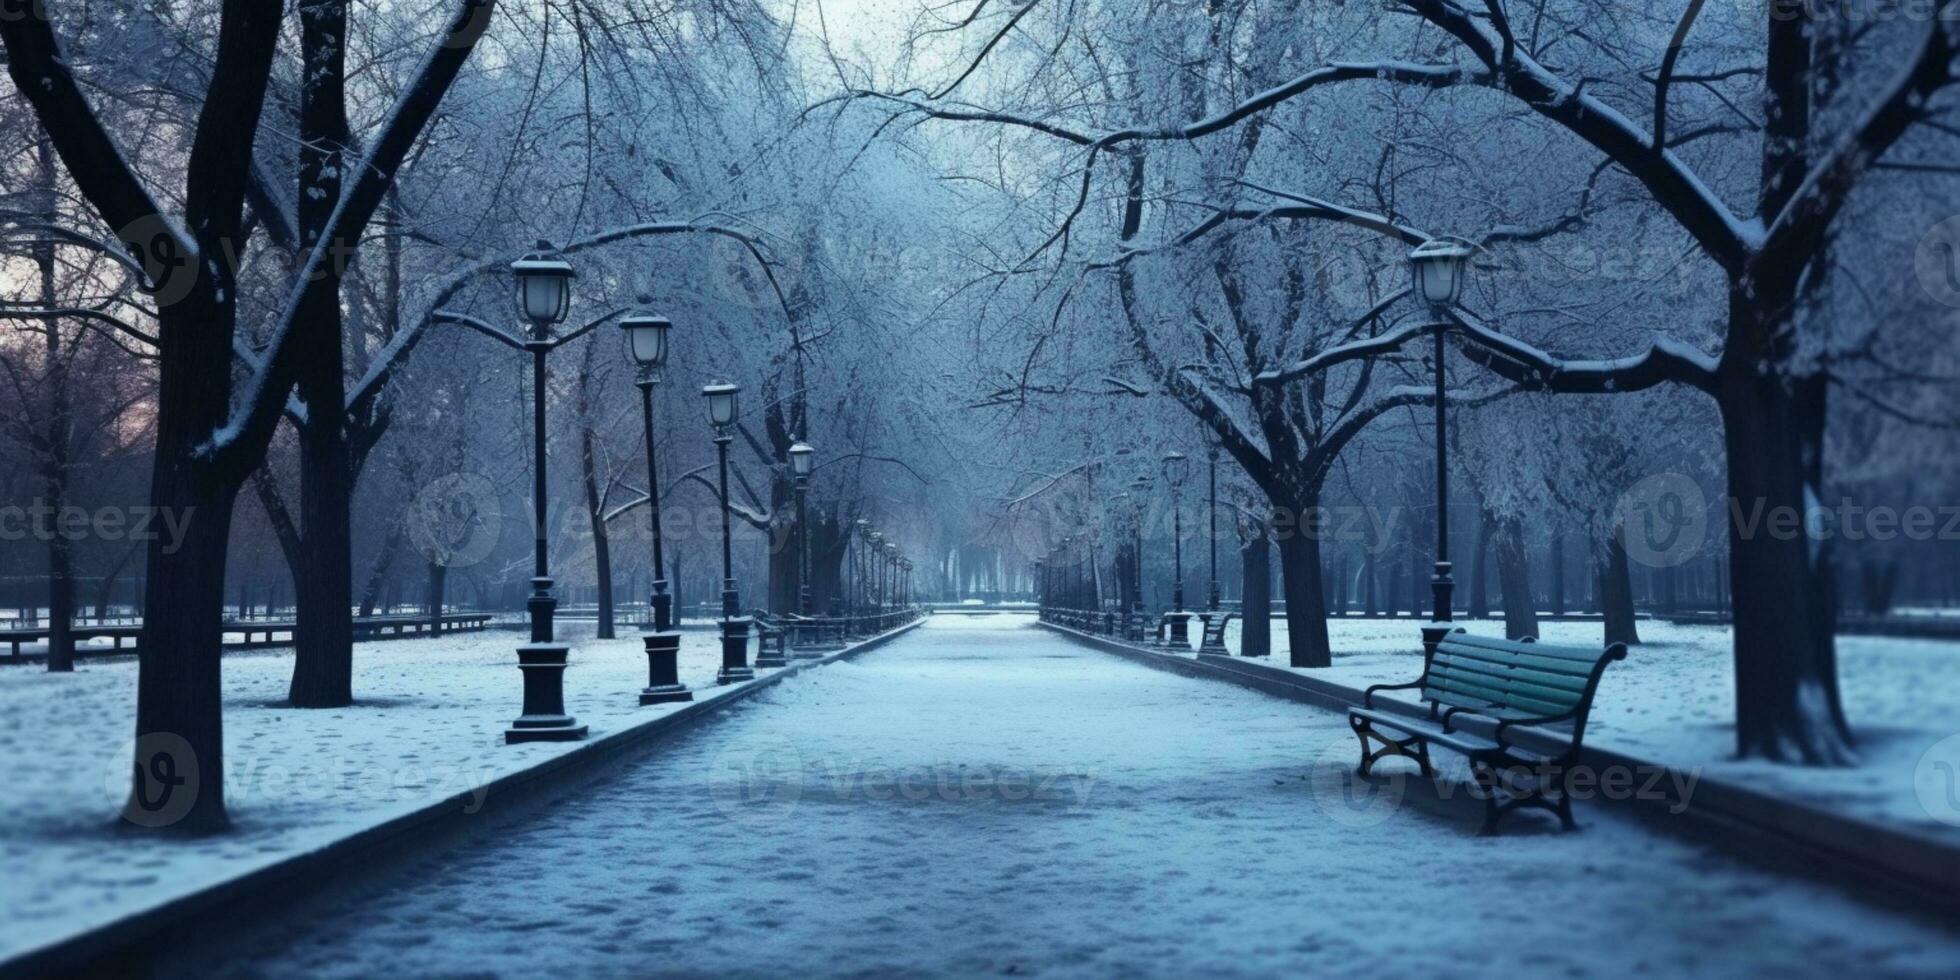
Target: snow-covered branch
column 1665, row 360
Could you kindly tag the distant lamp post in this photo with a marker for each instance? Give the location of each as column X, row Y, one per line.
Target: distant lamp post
column 734, row 628
column 544, row 296
column 1140, row 498
column 1175, row 466
column 861, row 599
column 802, row 457
column 875, row 554
column 1438, row 268
column 802, row 461
column 1212, row 642
column 1211, row 533
column 646, row 342
column 1041, row 587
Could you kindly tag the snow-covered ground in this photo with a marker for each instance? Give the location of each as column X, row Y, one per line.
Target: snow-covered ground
column 1673, row 701
column 429, row 723
column 981, row 798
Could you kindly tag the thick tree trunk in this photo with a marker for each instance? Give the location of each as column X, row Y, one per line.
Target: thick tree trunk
column 1558, row 573
column 55, row 458
column 434, row 594
column 323, row 640
column 1514, row 578
column 323, row 583
column 1306, row 616
column 1256, row 591
column 178, row 783
column 596, row 519
column 1616, row 590
column 1787, row 702
column 61, row 592
column 378, row 573
column 1480, row 568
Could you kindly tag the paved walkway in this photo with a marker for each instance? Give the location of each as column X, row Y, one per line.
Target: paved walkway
column 983, row 798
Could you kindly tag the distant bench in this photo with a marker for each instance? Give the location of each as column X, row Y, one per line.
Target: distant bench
column 1509, row 683
column 1214, row 636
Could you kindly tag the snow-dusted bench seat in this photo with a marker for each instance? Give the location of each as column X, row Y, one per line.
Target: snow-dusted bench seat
column 1506, row 684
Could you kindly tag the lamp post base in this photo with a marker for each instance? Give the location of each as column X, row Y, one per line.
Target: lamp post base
column 663, row 670
column 1180, row 631
column 734, row 653
column 543, row 608
column 1441, row 585
column 544, row 718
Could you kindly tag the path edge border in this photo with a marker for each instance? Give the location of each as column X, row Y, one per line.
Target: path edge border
column 114, row 944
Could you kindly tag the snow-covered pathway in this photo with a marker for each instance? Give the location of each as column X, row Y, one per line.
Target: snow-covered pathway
column 983, row 798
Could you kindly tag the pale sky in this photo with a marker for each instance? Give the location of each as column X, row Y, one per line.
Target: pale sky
column 875, row 30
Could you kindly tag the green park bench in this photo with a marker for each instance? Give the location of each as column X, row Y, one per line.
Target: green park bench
column 1507, row 684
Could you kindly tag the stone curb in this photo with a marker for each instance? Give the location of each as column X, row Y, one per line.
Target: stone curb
column 120, row 947
column 1891, row 858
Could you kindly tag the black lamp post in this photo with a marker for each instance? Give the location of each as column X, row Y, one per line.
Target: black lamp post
column 544, row 296
column 874, row 566
column 1140, row 498
column 1437, row 267
column 734, row 627
column 646, row 340
column 1212, row 642
column 802, row 460
column 1119, row 512
column 1175, row 464
column 862, row 598
column 1041, row 588
column 1211, row 591
column 801, row 457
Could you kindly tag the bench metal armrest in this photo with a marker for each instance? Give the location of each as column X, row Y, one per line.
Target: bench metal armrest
column 1368, row 696
column 1449, row 716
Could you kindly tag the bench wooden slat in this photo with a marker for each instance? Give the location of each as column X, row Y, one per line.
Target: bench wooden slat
column 1498, row 696
column 1550, row 665
column 1510, row 648
column 1557, row 682
column 1507, row 693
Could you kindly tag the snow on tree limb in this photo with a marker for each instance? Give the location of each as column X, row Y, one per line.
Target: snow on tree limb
column 40, row 73
column 1665, row 360
column 256, row 411
column 1795, row 232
